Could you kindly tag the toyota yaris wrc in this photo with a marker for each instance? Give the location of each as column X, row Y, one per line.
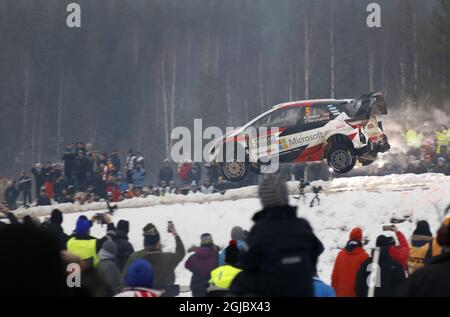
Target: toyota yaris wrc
column 341, row 131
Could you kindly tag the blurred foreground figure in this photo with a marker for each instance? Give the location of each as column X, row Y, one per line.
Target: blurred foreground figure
column 283, row 250
column 31, row 264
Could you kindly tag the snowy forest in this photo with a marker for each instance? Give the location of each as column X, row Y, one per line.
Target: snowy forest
column 138, row 68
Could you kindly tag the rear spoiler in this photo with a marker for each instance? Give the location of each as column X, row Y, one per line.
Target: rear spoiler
column 368, row 105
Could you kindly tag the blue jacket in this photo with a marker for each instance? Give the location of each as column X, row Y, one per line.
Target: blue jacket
column 321, row 289
column 138, row 177
column 241, row 247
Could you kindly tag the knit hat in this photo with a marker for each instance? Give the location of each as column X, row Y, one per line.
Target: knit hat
column 109, row 246
column 206, row 239
column 56, row 217
column 140, row 274
column 422, row 229
column 151, row 235
column 83, row 225
column 237, row 233
column 356, row 234
column 382, row 241
column 123, row 225
column 273, row 191
column 232, row 253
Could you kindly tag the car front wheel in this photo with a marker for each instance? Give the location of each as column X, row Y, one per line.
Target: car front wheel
column 341, row 158
column 234, row 171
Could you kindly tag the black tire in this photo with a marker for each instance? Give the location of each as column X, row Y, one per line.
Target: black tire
column 341, row 157
column 234, row 171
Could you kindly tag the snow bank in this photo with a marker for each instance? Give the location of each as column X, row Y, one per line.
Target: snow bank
column 362, row 183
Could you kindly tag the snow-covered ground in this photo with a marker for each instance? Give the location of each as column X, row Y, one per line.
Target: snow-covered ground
column 368, row 202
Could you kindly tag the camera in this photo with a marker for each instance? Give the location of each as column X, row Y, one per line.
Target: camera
column 303, row 184
column 169, row 226
column 316, row 189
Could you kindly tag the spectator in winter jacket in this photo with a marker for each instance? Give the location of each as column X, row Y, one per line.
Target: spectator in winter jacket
column 207, row 188
column 107, row 266
column 25, row 188
column 130, row 162
column 347, row 265
column 399, row 252
column 115, row 159
column 390, row 275
column 321, row 289
column 201, row 263
column 184, row 170
column 138, row 176
column 11, row 194
column 434, row 279
column 239, row 235
column 59, row 187
column 124, row 247
column 68, row 159
column 114, row 191
column 422, row 248
column 31, row 264
column 84, row 245
column 140, row 159
column 223, row 276
column 55, row 229
column 43, row 199
column 165, row 173
column 283, row 250
column 139, row 281
column 80, row 169
column 213, row 173
column 39, row 178
column 163, row 263
column 194, row 175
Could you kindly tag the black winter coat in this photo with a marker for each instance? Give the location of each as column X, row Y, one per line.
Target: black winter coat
column 165, row 174
column 11, row 194
column 431, row 281
column 57, row 232
column 282, row 256
column 391, row 276
column 124, row 248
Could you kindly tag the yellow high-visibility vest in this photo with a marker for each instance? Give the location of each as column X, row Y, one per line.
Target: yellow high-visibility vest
column 414, row 138
column 223, row 276
column 85, row 249
column 441, row 138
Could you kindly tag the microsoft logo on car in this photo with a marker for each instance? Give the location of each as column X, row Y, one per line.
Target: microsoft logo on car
column 282, row 144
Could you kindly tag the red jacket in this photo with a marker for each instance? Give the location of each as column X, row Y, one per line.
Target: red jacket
column 400, row 253
column 345, row 269
column 115, row 193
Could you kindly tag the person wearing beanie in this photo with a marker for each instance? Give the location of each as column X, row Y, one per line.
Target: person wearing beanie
column 222, row 277
column 433, row 280
column 282, row 248
column 390, row 275
column 107, row 266
column 139, row 281
column 201, row 263
column 163, row 263
column 124, row 247
column 239, row 235
column 82, row 244
column 422, row 247
column 347, row 264
column 56, row 230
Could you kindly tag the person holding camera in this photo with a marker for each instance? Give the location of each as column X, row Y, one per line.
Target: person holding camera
column 82, row 244
column 400, row 252
column 163, row 263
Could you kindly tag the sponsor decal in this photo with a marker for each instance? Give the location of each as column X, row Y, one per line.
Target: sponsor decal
column 296, row 141
column 283, row 144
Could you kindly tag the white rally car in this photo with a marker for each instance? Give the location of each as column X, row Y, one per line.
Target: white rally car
column 342, row 131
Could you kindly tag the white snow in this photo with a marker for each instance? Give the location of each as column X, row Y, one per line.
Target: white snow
column 368, row 202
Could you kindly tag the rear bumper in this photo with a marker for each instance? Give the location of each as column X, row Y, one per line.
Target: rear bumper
column 370, row 150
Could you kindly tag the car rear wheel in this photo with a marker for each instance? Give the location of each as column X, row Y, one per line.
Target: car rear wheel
column 234, row 171
column 341, row 158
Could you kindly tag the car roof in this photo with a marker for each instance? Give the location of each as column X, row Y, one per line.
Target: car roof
column 304, row 103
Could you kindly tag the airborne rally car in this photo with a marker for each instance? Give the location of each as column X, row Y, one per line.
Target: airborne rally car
column 342, row 131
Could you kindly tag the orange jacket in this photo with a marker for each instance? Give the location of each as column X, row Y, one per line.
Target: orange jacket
column 345, row 269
